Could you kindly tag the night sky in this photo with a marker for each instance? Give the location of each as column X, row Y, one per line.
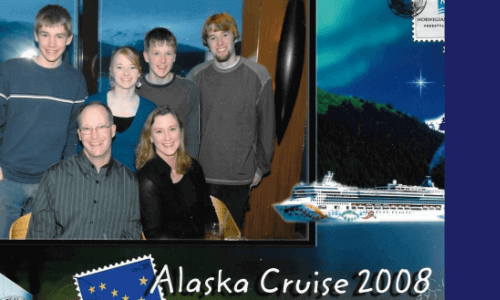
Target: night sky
column 365, row 50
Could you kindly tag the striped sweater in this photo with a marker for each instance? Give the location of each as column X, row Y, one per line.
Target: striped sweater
column 38, row 108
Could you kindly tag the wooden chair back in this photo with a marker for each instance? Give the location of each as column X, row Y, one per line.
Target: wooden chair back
column 19, row 228
column 227, row 224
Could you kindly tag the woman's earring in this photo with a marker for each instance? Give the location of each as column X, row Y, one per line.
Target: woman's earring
column 138, row 84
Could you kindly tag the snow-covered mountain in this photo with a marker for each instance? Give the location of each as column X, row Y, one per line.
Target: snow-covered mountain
column 16, row 38
column 436, row 124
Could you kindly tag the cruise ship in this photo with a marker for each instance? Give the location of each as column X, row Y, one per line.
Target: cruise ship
column 330, row 201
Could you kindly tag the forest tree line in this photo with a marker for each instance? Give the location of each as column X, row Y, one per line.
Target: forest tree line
column 368, row 144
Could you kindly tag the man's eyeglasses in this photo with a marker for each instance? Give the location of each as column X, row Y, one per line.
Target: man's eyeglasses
column 98, row 129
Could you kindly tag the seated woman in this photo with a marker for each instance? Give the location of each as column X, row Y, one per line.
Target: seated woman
column 129, row 109
column 173, row 194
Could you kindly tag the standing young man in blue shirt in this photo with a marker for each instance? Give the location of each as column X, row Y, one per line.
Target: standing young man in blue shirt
column 39, row 101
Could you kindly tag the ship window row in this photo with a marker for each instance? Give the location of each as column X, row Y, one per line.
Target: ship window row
column 391, row 208
column 378, row 195
column 344, row 196
column 424, row 202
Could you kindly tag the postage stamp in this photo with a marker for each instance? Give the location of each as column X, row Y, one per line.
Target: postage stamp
column 129, row 280
column 428, row 25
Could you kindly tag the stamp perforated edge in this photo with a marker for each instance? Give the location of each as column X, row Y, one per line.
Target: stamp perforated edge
column 415, row 39
column 112, row 266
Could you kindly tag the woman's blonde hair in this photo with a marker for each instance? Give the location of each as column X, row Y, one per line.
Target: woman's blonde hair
column 145, row 150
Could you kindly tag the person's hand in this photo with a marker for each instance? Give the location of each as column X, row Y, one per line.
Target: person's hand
column 256, row 181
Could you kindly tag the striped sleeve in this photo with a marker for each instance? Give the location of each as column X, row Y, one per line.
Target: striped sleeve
column 42, row 223
column 72, row 138
column 4, row 93
column 133, row 227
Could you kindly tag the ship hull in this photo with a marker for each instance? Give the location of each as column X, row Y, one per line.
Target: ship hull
column 331, row 201
column 303, row 211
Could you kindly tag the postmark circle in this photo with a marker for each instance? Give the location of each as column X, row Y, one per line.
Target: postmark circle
column 406, row 8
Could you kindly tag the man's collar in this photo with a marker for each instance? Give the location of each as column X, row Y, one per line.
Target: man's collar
column 229, row 68
column 109, row 166
column 144, row 79
column 88, row 167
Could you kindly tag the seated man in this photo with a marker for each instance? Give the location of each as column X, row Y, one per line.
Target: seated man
column 90, row 195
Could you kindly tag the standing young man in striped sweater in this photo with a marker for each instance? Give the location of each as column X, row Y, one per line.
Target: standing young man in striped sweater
column 39, row 100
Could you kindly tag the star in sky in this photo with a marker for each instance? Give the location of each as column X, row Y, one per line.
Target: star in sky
column 92, row 289
column 420, row 82
column 114, row 292
column 102, row 286
column 125, row 297
column 143, row 280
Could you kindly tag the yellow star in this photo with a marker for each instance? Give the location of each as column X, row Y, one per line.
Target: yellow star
column 141, row 298
column 143, row 280
column 102, row 286
column 114, row 292
column 125, row 298
column 92, row 289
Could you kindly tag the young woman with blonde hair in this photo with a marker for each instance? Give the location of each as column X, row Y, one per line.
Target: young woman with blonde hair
column 129, row 109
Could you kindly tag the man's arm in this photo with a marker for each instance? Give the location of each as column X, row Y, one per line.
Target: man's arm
column 207, row 214
column 4, row 93
column 72, row 137
column 193, row 124
column 266, row 131
column 42, row 223
column 133, row 228
column 190, row 75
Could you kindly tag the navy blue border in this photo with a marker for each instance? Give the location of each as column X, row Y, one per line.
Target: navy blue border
column 472, row 180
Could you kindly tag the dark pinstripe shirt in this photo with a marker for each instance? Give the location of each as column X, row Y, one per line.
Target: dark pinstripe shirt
column 75, row 202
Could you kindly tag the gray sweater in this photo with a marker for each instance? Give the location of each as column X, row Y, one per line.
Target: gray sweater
column 183, row 96
column 237, row 121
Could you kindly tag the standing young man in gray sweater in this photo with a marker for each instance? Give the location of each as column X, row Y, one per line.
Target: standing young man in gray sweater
column 164, row 88
column 237, row 117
